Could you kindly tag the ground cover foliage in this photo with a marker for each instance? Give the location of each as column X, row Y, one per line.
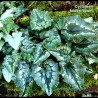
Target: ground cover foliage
column 47, row 51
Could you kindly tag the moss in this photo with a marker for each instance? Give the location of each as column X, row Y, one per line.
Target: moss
column 12, row 90
column 24, row 21
column 63, row 90
column 37, row 91
column 89, row 79
column 93, row 13
column 59, row 14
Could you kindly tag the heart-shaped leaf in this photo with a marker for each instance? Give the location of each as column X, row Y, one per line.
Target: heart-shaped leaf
column 46, row 76
column 14, row 40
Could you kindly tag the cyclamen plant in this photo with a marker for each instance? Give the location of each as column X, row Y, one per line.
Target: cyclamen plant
column 47, row 50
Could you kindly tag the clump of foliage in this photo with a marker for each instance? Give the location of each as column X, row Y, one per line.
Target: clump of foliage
column 48, row 51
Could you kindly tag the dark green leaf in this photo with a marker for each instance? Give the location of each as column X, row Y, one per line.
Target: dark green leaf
column 8, row 25
column 19, row 11
column 39, row 20
column 87, row 47
column 46, row 76
column 9, row 65
column 28, row 46
column 91, row 58
column 6, row 49
column 53, row 41
column 29, row 89
column 43, row 57
column 77, row 36
column 61, row 52
column 72, row 70
column 21, row 76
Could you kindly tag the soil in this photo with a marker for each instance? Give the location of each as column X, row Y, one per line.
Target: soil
column 91, row 90
column 4, row 92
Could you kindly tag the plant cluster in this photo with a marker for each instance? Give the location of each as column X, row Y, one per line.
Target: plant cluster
column 48, row 51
